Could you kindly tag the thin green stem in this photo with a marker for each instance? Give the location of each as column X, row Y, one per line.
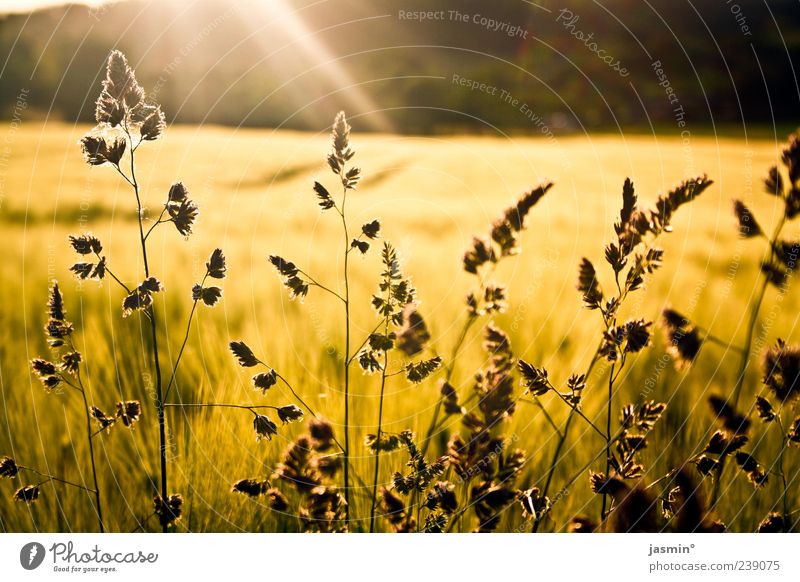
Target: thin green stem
column 141, row 526
column 123, row 174
column 754, row 311
column 378, row 448
column 218, row 405
column 162, row 432
column 547, row 416
column 180, row 352
column 366, row 339
column 316, row 283
column 91, row 452
column 387, row 283
column 157, row 222
column 784, row 496
column 563, row 437
column 472, row 317
column 582, row 471
column 554, row 462
column 183, row 344
column 296, row 395
column 450, row 368
column 722, row 343
column 65, row 379
column 346, row 361
column 113, row 276
column 755, row 308
column 608, row 434
column 577, row 411
column 54, row 478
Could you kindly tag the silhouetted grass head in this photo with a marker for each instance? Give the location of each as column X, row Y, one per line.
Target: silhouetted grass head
column 169, row 511
column 27, row 493
column 683, row 340
column 8, row 468
column 782, row 371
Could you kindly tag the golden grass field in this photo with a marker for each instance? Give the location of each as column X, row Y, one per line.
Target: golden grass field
column 432, row 194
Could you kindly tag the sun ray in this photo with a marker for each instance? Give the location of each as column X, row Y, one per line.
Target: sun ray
column 315, row 51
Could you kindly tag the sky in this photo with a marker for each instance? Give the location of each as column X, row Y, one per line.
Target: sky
column 28, row 5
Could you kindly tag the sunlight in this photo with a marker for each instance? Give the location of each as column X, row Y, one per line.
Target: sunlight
column 23, row 6
column 316, row 52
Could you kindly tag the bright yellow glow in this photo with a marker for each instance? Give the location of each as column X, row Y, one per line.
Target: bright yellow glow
column 7, row 6
column 307, row 41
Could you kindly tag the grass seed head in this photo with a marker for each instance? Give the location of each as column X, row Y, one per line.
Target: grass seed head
column 264, row 427
column 8, row 468
column 243, row 354
column 129, row 412
column 276, row 500
column 103, row 420
column 765, row 411
column 169, row 511
column 265, row 380
column 748, row 226
column 86, row 244
column 773, row 523
column 732, row 421
column 208, row 295
column 47, row 372
column 321, row 433
column 121, row 91
column 97, row 150
column 782, row 371
column 216, row 265
column 27, row 494
column 791, row 157
column 416, row 372
column 534, row 505
column 413, row 334
column 290, row 413
column 70, row 362
column 794, row 432
column 250, row 487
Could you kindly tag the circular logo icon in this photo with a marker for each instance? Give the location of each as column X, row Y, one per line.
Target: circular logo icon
column 31, row 555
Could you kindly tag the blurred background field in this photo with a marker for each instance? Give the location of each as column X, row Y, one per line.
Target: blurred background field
column 431, row 194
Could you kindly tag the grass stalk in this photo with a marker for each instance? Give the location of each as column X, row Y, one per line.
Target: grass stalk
column 784, row 496
column 98, row 504
column 185, row 341
column 450, row 368
column 744, row 361
column 608, row 435
column 89, row 437
column 159, row 403
column 384, row 368
column 346, row 363
column 562, row 440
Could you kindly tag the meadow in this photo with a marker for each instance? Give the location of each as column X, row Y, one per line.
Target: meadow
column 432, row 194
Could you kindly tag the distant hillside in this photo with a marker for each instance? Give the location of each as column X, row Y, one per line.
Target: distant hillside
column 250, row 63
